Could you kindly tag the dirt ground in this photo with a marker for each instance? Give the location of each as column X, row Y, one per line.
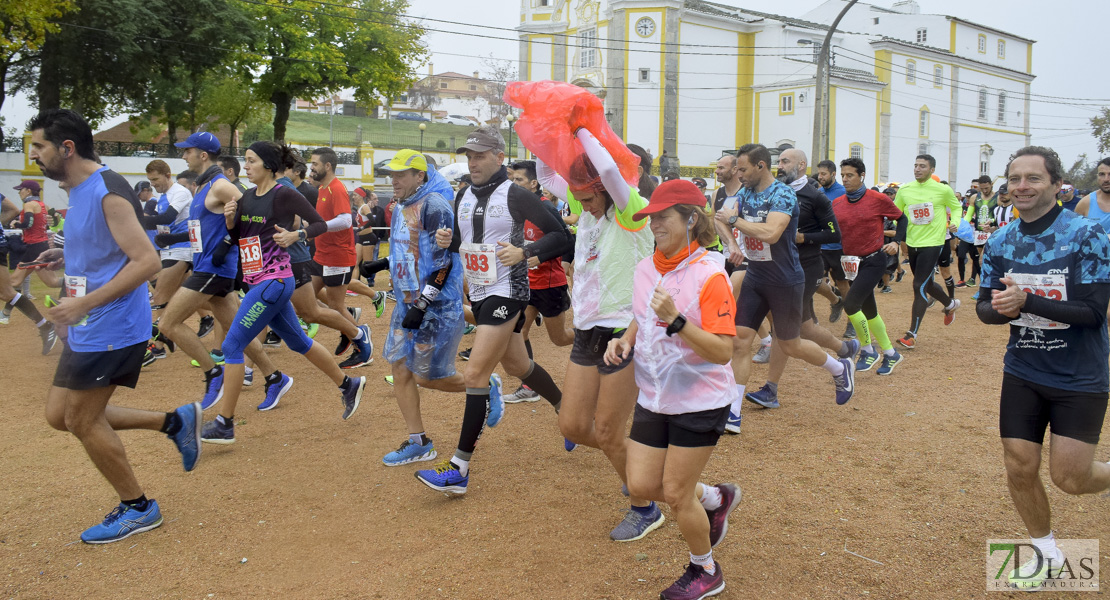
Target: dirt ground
column 908, row 475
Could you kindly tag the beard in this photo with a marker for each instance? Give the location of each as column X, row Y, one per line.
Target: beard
column 55, row 171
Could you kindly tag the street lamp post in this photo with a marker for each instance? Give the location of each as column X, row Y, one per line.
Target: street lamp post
column 821, row 85
column 510, row 119
column 422, row 127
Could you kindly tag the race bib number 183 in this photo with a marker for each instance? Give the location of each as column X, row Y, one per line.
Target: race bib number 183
column 1053, row 287
column 479, row 263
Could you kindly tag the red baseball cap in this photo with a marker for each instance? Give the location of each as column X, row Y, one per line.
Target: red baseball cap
column 671, row 193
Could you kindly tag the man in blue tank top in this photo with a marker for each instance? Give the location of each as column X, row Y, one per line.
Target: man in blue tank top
column 215, row 266
column 1096, row 206
column 107, row 260
column 1048, row 276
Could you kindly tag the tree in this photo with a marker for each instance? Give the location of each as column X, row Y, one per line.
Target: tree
column 232, row 101
column 1101, row 126
column 23, row 28
column 498, row 74
column 424, row 94
column 1083, row 174
column 312, row 50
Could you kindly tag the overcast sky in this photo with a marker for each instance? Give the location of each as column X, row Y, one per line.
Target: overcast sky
column 1060, row 54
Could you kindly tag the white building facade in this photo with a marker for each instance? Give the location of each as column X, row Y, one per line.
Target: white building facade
column 699, row 78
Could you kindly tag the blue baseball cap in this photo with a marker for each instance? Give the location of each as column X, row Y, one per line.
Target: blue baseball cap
column 201, row 140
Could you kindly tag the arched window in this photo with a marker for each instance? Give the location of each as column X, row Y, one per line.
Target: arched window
column 911, row 72
column 938, row 76
column 855, row 151
column 1001, row 107
column 1001, row 48
column 982, row 44
column 923, row 123
column 983, row 104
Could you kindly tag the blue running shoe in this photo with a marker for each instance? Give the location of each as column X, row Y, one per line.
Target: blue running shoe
column 364, row 351
column 763, row 397
column 274, row 392
column 496, row 404
column 187, row 439
column 213, row 390
column 353, row 396
column 444, row 477
column 122, row 523
column 215, row 433
column 568, row 445
column 889, row 362
column 867, row 359
column 975, row 296
column 410, row 452
column 732, row 425
column 853, row 348
column 845, row 382
column 635, row 525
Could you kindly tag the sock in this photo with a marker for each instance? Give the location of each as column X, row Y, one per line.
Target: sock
column 1047, row 546
column 172, row 424
column 704, row 561
column 877, row 329
column 766, row 341
column 140, row 504
column 214, row 373
column 358, row 336
column 539, row 381
column 710, row 496
column 25, row 306
column 889, row 352
column 773, row 386
column 247, row 371
column 462, row 464
column 951, row 304
column 833, row 366
column 474, row 419
column 645, row 510
column 950, row 285
column 418, row 438
column 859, row 323
column 225, row 421
column 528, row 347
column 273, row 377
column 739, row 401
column 346, row 385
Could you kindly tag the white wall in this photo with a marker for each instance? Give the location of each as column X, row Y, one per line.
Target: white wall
column 706, row 117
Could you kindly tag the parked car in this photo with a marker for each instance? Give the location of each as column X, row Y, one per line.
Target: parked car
column 145, row 153
column 410, row 116
column 457, row 120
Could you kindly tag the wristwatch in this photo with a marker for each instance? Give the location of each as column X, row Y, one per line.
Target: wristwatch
column 302, row 235
column 676, row 325
column 732, row 219
column 421, row 303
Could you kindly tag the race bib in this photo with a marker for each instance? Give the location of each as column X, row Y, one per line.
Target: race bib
column 981, row 237
column 1053, row 287
column 404, row 274
column 250, row 255
column 162, row 228
column 75, row 288
column 330, row 271
column 920, row 214
column 194, row 236
column 755, row 249
column 479, row 263
column 850, row 264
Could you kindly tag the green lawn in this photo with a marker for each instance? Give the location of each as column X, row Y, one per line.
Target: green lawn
column 313, row 129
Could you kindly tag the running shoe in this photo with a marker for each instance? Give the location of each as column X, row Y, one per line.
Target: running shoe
column 148, row 358
column 344, row 345
column 1032, row 574
column 123, row 522
column 353, row 396
column 50, row 337
column 207, row 322
column 522, row 394
column 853, row 348
column 889, row 362
column 410, row 452
column 444, row 477
column 961, row 283
column 568, row 445
column 248, row 377
column 908, row 341
column 886, row 289
column 364, row 351
column 867, row 359
column 5, row 318
column 496, row 403
column 389, row 296
column 356, row 312
column 932, row 301
column 213, row 390
column 273, row 340
column 950, row 313
column 379, row 305
column 971, row 282
column 850, row 332
column 275, row 391
column 216, row 433
column 835, row 311
column 975, row 296
column 539, row 320
column 469, row 329
column 217, row 357
column 732, row 425
column 351, row 294
column 696, row 583
column 310, row 329
column 635, row 525
column 159, row 353
column 763, row 356
column 187, row 439
column 158, row 336
column 718, row 518
column 763, row 397
column 465, row 354
column 898, row 276
column 845, row 382
column 389, row 379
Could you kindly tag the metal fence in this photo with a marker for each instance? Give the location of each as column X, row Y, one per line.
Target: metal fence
column 12, row 144
column 170, row 151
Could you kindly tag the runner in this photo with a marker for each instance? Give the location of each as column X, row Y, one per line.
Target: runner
column 1096, row 206
column 977, row 215
column 36, row 238
column 831, row 253
column 261, row 225
column 1049, row 278
column 9, row 294
column 171, row 216
column 924, row 202
column 768, row 223
column 683, row 376
column 489, row 234
column 861, row 213
column 107, row 262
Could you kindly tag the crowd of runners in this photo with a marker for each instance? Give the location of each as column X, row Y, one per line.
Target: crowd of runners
column 626, row 271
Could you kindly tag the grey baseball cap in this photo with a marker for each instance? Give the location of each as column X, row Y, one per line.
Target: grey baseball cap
column 482, row 139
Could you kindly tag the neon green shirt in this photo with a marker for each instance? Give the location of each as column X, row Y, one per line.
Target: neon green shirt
column 919, row 201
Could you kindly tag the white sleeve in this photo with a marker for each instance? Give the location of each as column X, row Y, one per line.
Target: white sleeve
column 179, row 198
column 550, row 180
column 340, row 223
column 606, row 168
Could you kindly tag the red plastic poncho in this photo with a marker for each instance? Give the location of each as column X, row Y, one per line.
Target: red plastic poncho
column 553, row 111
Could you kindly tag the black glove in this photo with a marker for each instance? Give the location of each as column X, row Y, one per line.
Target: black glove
column 220, row 253
column 150, row 221
column 369, row 269
column 163, row 240
column 415, row 316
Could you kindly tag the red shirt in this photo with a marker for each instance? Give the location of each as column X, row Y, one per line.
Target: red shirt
column 37, row 232
column 861, row 222
column 336, row 248
column 548, row 274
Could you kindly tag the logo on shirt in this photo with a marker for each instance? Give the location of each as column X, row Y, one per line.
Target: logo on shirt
column 501, row 312
column 478, row 211
column 724, row 310
column 496, row 211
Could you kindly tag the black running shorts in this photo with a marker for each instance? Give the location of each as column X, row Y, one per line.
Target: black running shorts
column 497, row 310
column 945, row 258
column 783, row 301
column 832, row 264
column 813, row 271
column 169, row 262
column 335, row 279
column 688, row 430
column 551, row 302
column 1026, row 408
column 302, row 273
column 209, row 284
column 590, row 346
column 90, row 370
